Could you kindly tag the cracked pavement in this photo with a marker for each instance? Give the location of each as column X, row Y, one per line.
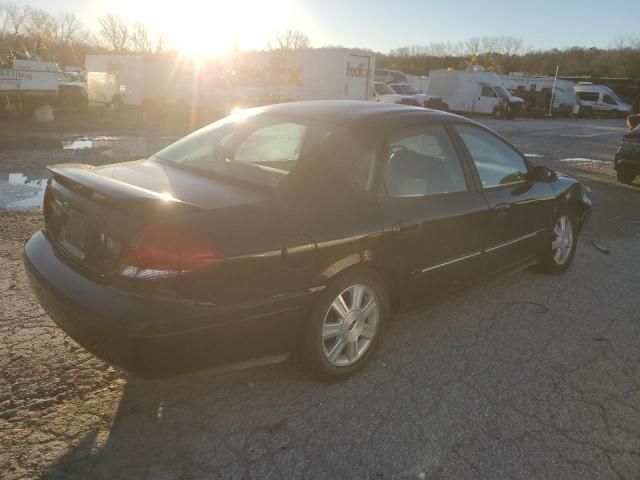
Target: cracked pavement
column 524, row 376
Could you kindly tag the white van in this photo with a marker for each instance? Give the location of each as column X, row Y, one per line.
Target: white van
column 601, row 100
column 384, row 75
column 469, row 91
column 385, row 94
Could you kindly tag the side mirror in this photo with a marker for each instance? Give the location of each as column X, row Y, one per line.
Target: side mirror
column 541, row 173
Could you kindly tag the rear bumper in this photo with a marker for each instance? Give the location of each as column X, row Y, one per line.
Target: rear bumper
column 153, row 336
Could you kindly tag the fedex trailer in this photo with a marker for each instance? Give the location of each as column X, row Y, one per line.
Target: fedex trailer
column 309, row 74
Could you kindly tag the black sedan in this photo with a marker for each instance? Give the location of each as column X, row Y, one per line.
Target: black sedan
column 291, row 228
column 627, row 159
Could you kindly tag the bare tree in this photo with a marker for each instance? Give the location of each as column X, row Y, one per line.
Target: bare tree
column 70, row 29
column 140, row 38
column 41, row 27
column 487, row 45
column 4, row 22
column 15, row 17
column 510, row 46
column 160, row 44
column 290, row 40
column 114, row 32
column 472, row 46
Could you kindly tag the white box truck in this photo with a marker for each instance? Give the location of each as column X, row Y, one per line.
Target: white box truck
column 251, row 78
column 565, row 100
column 473, row 91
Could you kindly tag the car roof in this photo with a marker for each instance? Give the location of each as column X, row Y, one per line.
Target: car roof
column 352, row 112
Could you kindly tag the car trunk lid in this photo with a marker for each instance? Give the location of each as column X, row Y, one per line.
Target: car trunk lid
column 92, row 213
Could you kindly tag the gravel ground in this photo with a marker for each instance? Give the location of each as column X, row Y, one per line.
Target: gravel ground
column 525, row 376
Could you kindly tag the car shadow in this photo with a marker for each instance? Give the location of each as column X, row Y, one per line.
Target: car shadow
column 185, row 427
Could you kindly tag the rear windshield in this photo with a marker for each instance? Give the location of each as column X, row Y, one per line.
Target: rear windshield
column 260, row 149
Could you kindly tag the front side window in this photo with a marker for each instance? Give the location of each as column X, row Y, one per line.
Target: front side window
column 488, row 92
column 497, row 163
column 423, row 162
column 397, row 89
column 609, row 100
column 261, row 150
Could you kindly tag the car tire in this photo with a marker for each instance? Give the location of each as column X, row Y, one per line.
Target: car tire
column 624, row 176
column 560, row 249
column 329, row 346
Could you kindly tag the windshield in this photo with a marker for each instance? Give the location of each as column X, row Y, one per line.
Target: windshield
column 382, row 89
column 262, row 149
column 502, row 93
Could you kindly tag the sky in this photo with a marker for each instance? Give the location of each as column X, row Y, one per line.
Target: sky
column 215, row 25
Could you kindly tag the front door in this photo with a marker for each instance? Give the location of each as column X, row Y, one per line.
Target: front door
column 520, row 207
column 486, row 100
column 432, row 216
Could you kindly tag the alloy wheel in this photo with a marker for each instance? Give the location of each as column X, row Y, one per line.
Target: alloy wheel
column 562, row 242
column 350, row 325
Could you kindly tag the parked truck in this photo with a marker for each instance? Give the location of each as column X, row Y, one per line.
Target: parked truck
column 27, row 83
column 474, row 91
column 250, row 79
column 539, row 92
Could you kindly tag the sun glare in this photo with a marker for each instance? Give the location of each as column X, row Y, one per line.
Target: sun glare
column 217, row 27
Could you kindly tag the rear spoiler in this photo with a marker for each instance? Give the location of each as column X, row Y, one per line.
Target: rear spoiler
column 83, row 180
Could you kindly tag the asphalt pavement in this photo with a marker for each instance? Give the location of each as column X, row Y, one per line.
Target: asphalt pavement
column 527, row 376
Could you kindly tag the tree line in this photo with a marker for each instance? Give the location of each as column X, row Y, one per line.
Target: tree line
column 510, row 54
column 66, row 39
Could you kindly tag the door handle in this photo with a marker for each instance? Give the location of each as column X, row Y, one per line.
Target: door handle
column 502, row 208
column 398, row 228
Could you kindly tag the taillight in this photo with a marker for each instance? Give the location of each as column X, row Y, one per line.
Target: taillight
column 165, row 251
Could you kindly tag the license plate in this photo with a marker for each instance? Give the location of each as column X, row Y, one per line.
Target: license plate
column 73, row 235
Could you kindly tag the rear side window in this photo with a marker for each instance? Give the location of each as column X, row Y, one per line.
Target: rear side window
column 274, row 146
column 422, row 162
column 497, row 162
column 259, row 149
column 588, row 96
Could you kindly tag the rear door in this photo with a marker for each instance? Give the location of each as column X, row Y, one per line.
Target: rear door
column 433, row 218
column 521, row 209
column 358, row 77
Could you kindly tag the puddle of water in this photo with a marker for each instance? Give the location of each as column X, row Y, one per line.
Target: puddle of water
column 18, row 190
column 26, row 190
column 111, row 146
column 118, row 146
